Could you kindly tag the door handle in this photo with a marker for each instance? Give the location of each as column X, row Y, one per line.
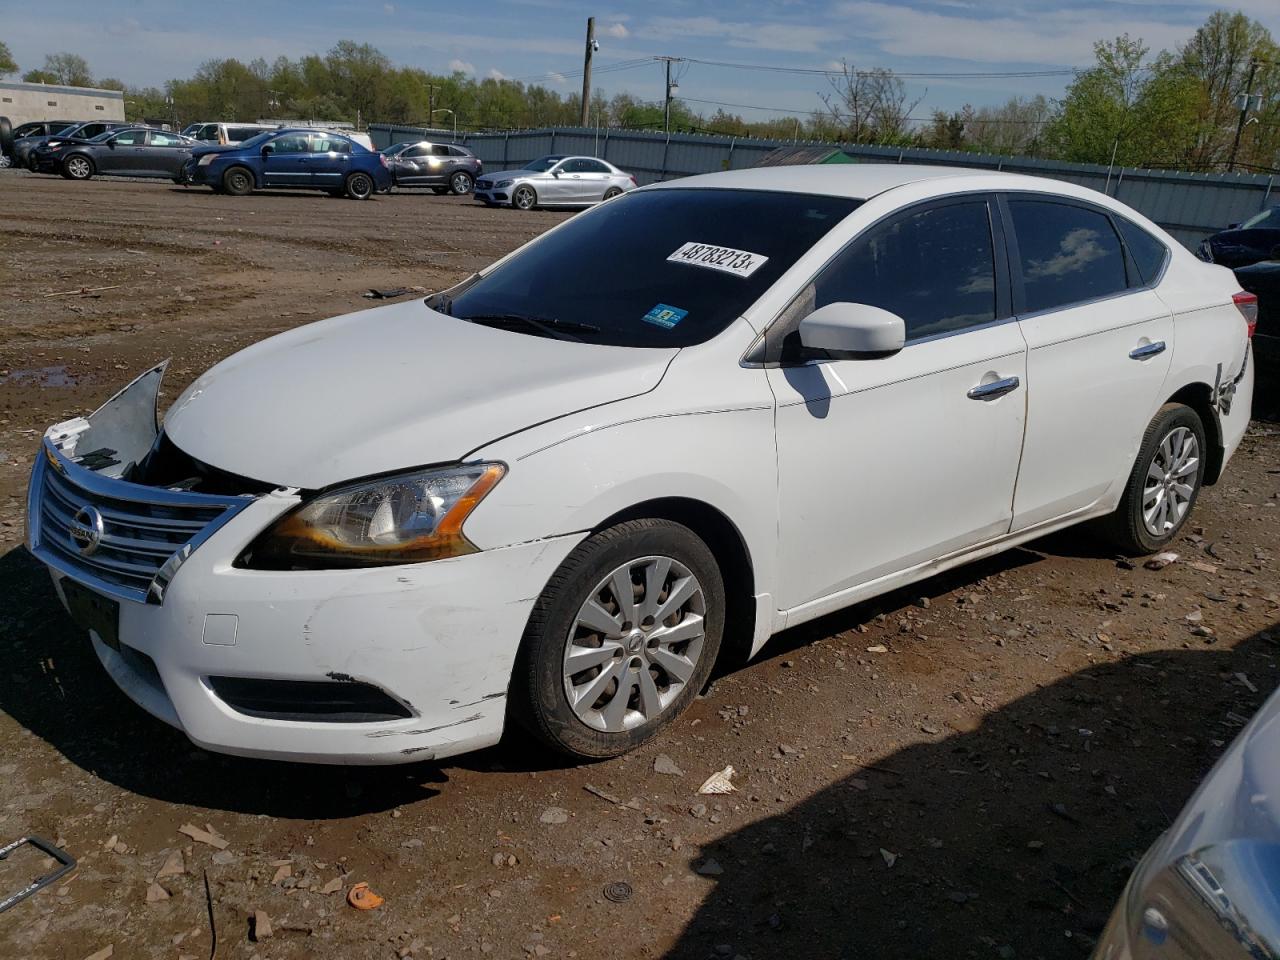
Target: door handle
column 994, row 389
column 1146, row 350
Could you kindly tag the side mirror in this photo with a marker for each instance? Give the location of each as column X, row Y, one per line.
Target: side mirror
column 853, row 330
column 1232, row 226
column 556, row 172
column 267, row 148
column 112, row 143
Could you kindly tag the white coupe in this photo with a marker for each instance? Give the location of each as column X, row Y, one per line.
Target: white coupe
column 649, row 439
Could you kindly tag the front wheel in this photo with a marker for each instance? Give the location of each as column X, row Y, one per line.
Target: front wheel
column 460, row 184
column 238, row 182
column 1165, row 482
column 77, row 168
column 622, row 639
column 359, row 186
column 524, row 198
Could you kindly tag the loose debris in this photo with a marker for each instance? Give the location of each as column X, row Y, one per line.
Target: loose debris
column 156, row 893
column 362, row 898
column 555, row 815
column 104, row 954
column 173, row 865
column 665, row 765
column 204, row 836
column 1160, row 561
column 261, row 924
column 719, row 782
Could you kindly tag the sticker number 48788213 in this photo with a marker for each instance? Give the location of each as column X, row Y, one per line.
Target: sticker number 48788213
column 741, row 263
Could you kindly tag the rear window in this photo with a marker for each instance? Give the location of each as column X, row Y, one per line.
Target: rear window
column 1148, row 253
column 663, row 268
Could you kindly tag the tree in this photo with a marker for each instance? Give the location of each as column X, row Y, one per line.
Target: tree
column 68, row 69
column 870, row 106
column 7, row 63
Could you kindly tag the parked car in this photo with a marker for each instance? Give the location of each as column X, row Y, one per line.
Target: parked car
column 1206, row 890
column 554, row 181
column 24, row 149
column 1263, row 280
column 226, row 134
column 35, row 128
column 669, row 427
column 1257, row 238
column 444, row 167
column 128, row 152
column 297, row 159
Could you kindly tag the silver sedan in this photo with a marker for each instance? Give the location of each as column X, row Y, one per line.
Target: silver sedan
column 554, row 181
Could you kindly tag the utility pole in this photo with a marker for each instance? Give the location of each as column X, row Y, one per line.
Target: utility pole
column 431, row 102
column 586, row 71
column 1244, row 112
column 666, row 96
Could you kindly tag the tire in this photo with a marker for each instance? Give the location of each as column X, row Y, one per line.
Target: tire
column 359, row 186
column 32, row 165
column 6, row 141
column 613, row 192
column 6, row 161
column 77, row 167
column 524, row 197
column 439, row 191
column 461, row 183
column 675, row 670
column 238, row 182
column 1165, row 483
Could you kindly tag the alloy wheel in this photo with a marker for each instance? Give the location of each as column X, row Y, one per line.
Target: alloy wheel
column 78, row 167
column 634, row 644
column 461, row 184
column 1170, row 482
column 523, row 198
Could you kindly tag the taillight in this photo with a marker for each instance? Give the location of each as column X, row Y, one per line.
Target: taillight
column 1247, row 304
column 632, row 178
column 383, row 158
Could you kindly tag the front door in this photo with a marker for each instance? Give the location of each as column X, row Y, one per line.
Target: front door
column 125, row 153
column 288, row 161
column 1099, row 343
column 888, row 462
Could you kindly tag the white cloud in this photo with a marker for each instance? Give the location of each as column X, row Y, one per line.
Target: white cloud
column 798, row 38
column 388, row 8
column 617, row 30
column 557, row 77
column 461, row 66
column 495, row 74
column 1055, row 37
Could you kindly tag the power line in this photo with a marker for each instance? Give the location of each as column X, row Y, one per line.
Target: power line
column 820, row 111
column 826, row 72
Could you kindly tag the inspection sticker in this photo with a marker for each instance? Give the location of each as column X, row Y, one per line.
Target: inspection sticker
column 664, row 315
column 741, row 263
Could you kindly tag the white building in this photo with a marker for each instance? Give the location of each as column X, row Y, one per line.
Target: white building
column 22, row 102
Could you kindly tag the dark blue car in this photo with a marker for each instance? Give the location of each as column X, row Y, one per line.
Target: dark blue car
column 1257, row 239
column 296, row 159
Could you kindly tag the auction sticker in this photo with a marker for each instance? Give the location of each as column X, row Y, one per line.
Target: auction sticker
column 664, row 315
column 740, row 263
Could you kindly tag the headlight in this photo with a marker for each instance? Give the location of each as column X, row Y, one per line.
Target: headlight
column 504, row 183
column 403, row 519
column 206, row 160
column 53, row 143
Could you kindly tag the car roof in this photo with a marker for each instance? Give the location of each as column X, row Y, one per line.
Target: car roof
column 862, row 180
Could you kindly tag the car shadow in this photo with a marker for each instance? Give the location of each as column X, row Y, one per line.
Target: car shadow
column 53, row 686
column 1008, row 834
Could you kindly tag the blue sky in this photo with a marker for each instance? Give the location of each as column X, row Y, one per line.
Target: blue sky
column 149, row 41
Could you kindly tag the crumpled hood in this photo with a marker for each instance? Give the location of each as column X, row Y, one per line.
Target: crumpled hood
column 388, row 389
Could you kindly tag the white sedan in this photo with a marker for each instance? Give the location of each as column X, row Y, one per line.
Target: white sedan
column 375, row 538
column 554, row 181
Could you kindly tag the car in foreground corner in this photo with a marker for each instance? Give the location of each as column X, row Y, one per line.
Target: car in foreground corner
column 444, row 167
column 374, row 538
column 127, row 152
column 1242, row 244
column 554, row 181
column 301, row 159
column 1207, row 889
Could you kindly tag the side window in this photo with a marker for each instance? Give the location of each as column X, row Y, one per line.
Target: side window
column 595, row 166
column 458, row 152
column 323, row 144
column 92, row 130
column 439, row 150
column 131, row 138
column 291, row 143
column 578, row 165
column 934, row 268
column 421, row 150
column 1069, row 254
column 1147, row 252
column 159, row 139
column 207, row 133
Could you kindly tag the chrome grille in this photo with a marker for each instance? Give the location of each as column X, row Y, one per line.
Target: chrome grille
column 145, row 533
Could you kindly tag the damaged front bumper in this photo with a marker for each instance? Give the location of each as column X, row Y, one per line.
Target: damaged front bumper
column 378, row 665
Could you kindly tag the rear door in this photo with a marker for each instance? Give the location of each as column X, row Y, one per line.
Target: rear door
column 165, row 154
column 330, row 160
column 1099, row 342
column 288, row 164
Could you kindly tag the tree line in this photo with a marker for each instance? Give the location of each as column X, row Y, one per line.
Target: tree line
column 1175, row 109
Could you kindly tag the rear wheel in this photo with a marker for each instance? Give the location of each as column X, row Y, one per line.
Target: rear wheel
column 1165, row 482
column 612, row 192
column 460, row 184
column 622, row 640
column 524, row 197
column 77, row 167
column 359, row 186
column 238, row 182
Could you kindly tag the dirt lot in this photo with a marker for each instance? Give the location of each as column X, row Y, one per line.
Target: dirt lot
column 964, row 769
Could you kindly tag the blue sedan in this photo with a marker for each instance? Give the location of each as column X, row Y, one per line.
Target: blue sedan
column 297, row 159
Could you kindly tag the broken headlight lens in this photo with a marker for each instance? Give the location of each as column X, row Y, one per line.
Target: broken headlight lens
column 402, row 519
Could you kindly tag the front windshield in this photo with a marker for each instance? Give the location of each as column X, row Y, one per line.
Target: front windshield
column 543, row 164
column 256, row 141
column 658, row 268
column 396, row 148
column 1266, row 220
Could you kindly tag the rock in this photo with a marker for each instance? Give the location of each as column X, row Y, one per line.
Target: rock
column 1160, row 561
column 203, row 836
column 173, row 865
column 698, row 811
column 224, row 858
column 104, row 954
column 1195, row 616
column 877, row 648
column 283, row 872
column 787, row 750
column 261, row 926
column 665, row 765
column 554, row 815
column 156, row 893
column 889, row 858
column 333, row 886
column 709, row 867
column 498, row 859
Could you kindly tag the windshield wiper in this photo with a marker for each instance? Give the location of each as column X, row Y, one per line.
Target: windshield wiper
column 546, row 326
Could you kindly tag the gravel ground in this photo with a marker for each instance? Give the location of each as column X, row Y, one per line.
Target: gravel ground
column 968, row 768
